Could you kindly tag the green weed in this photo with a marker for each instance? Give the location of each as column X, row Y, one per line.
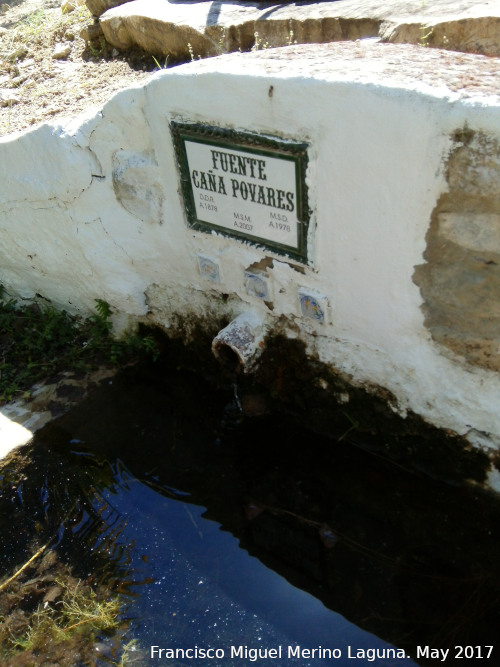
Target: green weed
column 128, row 649
column 221, row 42
column 425, row 30
column 98, row 47
column 37, row 341
column 29, row 29
column 80, row 611
column 165, row 65
column 33, row 24
column 259, row 45
column 191, row 53
column 425, row 34
column 291, row 35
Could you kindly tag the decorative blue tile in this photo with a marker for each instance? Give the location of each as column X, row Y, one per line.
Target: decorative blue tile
column 257, row 285
column 209, row 269
column 312, row 306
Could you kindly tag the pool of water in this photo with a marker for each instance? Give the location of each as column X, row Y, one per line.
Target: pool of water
column 205, row 591
column 236, row 541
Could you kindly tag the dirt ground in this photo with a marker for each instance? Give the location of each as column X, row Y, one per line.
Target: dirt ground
column 35, row 85
column 49, row 70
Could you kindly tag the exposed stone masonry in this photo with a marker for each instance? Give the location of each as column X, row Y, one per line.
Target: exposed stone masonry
column 460, row 282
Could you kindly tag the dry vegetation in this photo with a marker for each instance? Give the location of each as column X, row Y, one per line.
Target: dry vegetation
column 36, row 84
column 48, row 70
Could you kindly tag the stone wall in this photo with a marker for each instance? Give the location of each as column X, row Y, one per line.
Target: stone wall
column 181, row 29
column 460, row 280
column 397, row 292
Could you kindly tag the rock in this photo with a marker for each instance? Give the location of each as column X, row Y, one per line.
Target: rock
column 160, row 28
column 61, row 51
column 104, row 649
column 91, row 32
column 8, row 98
column 18, row 53
column 98, row 7
column 48, row 561
column 52, row 594
column 185, row 30
column 19, row 80
column 473, row 35
column 68, row 6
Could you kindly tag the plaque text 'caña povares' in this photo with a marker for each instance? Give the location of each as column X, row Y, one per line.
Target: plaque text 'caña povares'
column 243, row 185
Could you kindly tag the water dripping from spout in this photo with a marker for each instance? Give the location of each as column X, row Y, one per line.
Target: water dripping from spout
column 236, row 397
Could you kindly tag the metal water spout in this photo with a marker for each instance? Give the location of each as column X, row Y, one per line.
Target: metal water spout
column 239, row 345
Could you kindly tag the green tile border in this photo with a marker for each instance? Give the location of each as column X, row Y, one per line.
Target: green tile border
column 257, row 144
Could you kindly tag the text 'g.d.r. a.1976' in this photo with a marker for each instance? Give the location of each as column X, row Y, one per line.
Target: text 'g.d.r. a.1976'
column 244, row 185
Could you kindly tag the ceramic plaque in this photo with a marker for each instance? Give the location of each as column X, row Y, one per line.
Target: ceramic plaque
column 247, row 186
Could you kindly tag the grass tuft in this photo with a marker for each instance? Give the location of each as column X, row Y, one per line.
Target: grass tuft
column 79, row 611
column 37, row 341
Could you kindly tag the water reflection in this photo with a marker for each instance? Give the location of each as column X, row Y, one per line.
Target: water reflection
column 222, row 532
column 207, row 592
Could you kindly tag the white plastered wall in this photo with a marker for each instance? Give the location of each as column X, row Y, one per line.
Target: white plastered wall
column 376, row 156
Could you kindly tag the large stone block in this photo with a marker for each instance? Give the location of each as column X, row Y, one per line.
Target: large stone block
column 98, row 7
column 470, row 34
column 188, row 30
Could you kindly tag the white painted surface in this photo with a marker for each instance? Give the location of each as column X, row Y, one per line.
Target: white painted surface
column 12, row 435
column 376, row 150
